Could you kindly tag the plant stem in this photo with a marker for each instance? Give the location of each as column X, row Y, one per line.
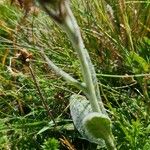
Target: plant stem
column 71, row 27
column 63, row 74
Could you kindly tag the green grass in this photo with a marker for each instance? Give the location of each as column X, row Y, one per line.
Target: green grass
column 118, row 44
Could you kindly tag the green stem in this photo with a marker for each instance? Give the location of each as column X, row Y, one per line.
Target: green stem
column 63, row 74
column 70, row 26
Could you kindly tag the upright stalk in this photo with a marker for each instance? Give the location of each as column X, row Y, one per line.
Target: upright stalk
column 71, row 28
column 61, row 13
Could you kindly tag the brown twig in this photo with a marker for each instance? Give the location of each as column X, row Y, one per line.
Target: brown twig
column 41, row 95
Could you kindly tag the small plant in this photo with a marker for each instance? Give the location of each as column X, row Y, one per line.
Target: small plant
column 95, row 124
column 51, row 144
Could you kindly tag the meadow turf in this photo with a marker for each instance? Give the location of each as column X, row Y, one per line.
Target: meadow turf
column 117, row 37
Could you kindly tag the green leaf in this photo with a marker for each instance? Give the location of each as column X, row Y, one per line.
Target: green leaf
column 98, row 125
column 80, row 108
column 141, row 63
column 147, row 40
column 51, row 144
